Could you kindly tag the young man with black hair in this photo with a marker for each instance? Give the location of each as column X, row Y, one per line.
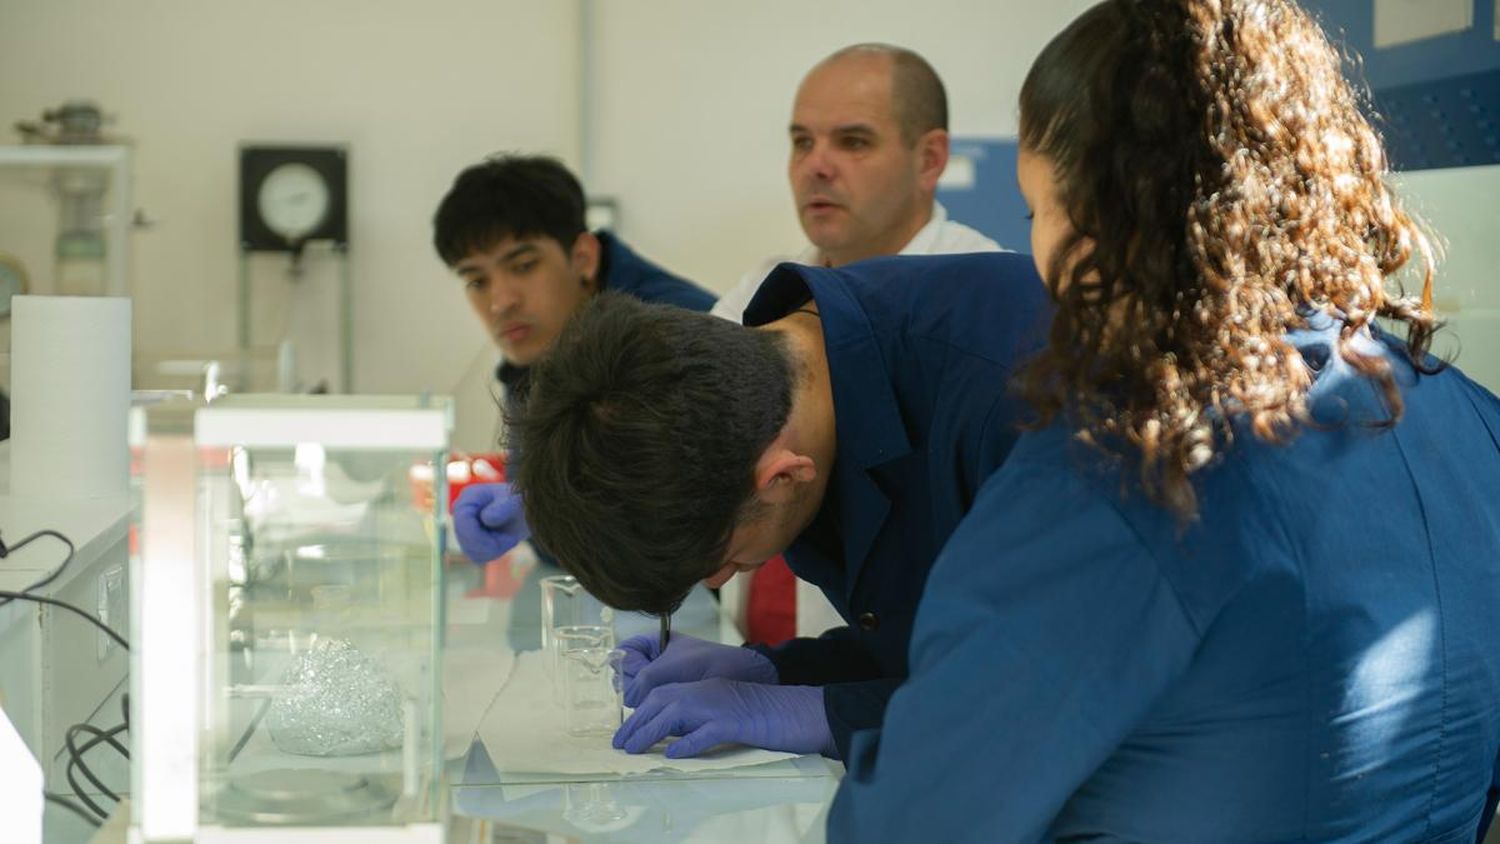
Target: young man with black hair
column 850, row 428
column 512, row 228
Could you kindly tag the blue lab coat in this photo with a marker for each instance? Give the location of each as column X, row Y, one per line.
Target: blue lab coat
column 920, row 350
column 1316, row 658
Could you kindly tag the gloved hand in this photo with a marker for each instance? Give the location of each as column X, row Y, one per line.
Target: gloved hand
column 489, row 521
column 686, row 659
column 712, row 712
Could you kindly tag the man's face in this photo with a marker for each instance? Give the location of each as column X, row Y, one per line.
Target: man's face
column 857, row 184
column 525, row 289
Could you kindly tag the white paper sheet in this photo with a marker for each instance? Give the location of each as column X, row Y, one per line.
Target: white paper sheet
column 524, row 732
column 471, row 679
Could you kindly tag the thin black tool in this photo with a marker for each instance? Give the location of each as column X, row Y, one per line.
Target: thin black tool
column 666, row 629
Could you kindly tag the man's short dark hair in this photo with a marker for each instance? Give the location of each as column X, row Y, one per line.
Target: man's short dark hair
column 917, row 94
column 508, row 196
column 639, row 442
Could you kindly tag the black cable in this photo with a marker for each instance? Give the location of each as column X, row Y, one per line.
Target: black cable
column 6, row 551
column 76, row 760
column 72, row 807
column 41, row 599
column 99, row 737
column 75, row 755
column 78, row 792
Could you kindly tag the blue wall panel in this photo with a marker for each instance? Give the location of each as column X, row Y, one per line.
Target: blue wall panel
column 1436, row 101
column 992, row 204
column 1444, row 123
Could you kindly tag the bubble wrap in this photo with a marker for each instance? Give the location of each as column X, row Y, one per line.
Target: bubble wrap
column 336, row 702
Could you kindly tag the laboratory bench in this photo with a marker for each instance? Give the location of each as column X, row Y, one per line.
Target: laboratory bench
column 778, row 801
column 498, row 609
column 57, row 670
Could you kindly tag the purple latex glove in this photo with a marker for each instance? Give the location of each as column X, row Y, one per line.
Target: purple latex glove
column 646, row 666
column 489, row 521
column 709, row 713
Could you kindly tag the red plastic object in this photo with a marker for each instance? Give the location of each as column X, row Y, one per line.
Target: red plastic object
column 771, row 610
column 463, row 470
column 466, row 469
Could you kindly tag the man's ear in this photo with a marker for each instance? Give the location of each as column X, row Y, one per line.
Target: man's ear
column 720, row 577
column 585, row 259
column 932, row 158
column 779, row 472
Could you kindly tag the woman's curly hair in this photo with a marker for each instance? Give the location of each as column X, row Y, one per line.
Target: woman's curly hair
column 1221, row 183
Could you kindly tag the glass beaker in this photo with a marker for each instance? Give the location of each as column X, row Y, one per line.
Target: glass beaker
column 591, row 697
column 565, row 603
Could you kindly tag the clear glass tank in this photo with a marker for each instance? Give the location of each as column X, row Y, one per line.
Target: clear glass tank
column 318, row 564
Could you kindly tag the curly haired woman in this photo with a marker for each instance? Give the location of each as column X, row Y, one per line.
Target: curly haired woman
column 1243, row 581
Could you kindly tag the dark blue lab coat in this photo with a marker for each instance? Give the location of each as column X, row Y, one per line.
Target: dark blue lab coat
column 920, row 353
column 1316, row 658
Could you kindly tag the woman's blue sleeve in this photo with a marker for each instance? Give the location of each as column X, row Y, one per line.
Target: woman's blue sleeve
column 1045, row 634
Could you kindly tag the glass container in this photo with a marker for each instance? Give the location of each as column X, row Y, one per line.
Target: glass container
column 316, row 619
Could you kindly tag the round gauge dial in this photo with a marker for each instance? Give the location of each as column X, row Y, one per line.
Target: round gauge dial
column 293, row 201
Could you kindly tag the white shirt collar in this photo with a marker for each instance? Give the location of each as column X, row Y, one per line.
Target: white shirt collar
column 920, row 243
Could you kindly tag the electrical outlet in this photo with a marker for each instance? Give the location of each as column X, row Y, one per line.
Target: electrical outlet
column 111, row 607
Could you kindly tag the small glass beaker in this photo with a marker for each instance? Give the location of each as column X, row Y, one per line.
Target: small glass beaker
column 591, row 697
column 565, row 603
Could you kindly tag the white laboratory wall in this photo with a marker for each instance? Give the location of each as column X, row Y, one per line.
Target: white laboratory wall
column 416, row 89
column 1462, row 206
column 693, row 99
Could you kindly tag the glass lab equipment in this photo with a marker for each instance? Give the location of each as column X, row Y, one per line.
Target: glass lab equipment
column 288, row 610
column 565, row 603
column 67, row 211
column 588, row 668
